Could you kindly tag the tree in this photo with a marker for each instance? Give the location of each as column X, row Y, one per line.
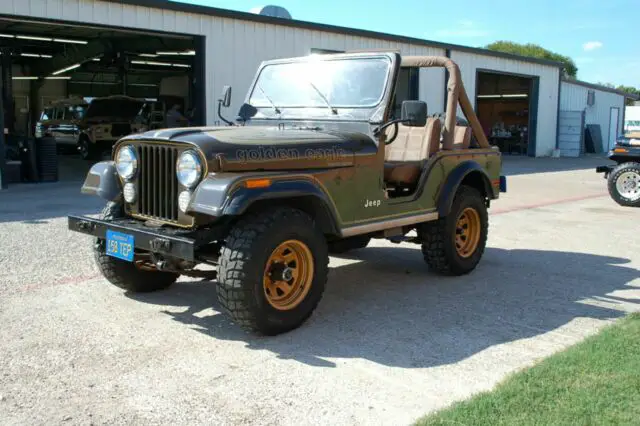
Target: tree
column 629, row 89
column 535, row 51
column 621, row 88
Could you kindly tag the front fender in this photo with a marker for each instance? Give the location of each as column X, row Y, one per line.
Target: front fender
column 226, row 196
column 455, row 178
column 102, row 180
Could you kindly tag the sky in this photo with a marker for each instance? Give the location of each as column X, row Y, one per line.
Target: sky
column 601, row 36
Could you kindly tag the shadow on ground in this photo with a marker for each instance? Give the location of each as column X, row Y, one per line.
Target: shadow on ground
column 514, row 165
column 387, row 308
column 38, row 202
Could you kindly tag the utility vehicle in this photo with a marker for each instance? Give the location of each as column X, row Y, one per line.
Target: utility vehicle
column 313, row 165
column 623, row 178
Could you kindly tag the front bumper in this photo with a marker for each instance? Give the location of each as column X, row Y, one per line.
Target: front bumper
column 604, row 169
column 178, row 243
column 503, row 183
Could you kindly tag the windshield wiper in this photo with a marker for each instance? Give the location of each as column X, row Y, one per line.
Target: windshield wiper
column 326, row 101
column 275, row 108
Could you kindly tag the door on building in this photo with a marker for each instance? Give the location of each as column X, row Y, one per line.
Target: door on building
column 614, row 116
column 507, row 108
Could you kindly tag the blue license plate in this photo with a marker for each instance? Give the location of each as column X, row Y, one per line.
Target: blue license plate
column 120, row 245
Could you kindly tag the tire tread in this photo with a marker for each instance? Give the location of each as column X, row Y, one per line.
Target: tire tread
column 434, row 248
column 235, row 298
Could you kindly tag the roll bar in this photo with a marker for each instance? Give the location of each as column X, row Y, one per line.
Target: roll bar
column 455, row 94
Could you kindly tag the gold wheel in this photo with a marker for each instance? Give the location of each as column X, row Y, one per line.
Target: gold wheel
column 468, row 230
column 288, row 275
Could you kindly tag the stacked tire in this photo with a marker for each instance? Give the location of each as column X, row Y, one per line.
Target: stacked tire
column 47, row 159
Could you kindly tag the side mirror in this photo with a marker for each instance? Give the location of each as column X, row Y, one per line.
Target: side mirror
column 226, row 96
column 414, row 113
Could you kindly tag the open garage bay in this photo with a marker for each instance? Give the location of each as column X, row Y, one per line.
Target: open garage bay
column 83, row 87
column 389, row 342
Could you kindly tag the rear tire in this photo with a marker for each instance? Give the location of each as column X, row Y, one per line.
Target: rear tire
column 454, row 245
column 123, row 274
column 272, row 271
column 624, row 184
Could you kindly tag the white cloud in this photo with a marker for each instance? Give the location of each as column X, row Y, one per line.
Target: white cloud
column 592, row 45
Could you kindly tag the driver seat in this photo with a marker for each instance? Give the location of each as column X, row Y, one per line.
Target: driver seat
column 404, row 158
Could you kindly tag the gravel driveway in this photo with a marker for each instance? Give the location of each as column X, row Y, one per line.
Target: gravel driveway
column 389, row 342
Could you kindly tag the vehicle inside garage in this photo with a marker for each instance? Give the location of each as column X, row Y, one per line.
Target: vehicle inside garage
column 506, row 110
column 82, row 88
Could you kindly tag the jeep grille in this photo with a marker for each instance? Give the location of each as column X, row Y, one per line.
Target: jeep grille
column 157, row 182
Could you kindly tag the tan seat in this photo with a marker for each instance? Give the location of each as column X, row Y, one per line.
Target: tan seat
column 405, row 157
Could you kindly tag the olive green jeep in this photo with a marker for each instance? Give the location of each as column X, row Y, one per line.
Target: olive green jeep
column 106, row 121
column 313, row 165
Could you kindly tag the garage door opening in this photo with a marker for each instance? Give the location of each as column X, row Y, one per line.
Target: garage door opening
column 507, row 109
column 86, row 87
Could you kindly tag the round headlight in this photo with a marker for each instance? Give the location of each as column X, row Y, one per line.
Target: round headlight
column 126, row 162
column 188, row 169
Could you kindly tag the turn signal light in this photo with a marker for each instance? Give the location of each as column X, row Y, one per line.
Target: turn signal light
column 619, row 150
column 257, row 183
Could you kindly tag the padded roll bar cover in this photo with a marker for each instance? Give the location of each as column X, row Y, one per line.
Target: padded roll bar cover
column 456, row 93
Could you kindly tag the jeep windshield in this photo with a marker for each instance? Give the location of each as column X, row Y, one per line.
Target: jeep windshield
column 324, row 85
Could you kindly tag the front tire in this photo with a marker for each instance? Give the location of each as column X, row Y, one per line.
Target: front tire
column 624, row 184
column 272, row 271
column 127, row 275
column 87, row 150
column 454, row 245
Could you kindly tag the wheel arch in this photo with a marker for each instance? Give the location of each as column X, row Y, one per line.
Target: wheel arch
column 469, row 173
column 299, row 194
column 310, row 204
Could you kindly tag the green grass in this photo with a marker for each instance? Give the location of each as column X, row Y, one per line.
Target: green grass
column 595, row 382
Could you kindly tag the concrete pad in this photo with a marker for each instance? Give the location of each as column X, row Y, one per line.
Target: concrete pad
column 389, row 342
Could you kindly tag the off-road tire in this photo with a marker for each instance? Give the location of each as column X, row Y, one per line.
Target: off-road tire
column 242, row 262
column 438, row 237
column 348, row 244
column 123, row 274
column 613, row 178
column 90, row 152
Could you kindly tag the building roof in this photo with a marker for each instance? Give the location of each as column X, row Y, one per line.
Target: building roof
column 601, row 88
column 247, row 16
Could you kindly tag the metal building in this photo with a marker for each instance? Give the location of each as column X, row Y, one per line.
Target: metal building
column 597, row 108
column 517, row 98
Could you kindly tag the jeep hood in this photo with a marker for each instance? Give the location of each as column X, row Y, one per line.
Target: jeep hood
column 116, row 109
column 266, row 148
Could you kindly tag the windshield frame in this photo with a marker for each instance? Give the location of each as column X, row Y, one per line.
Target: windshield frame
column 322, row 111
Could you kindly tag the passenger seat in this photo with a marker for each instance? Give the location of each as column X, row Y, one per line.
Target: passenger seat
column 406, row 155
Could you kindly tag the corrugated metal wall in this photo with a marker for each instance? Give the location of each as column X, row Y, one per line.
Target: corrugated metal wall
column 234, row 48
column 573, row 97
column 548, row 90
